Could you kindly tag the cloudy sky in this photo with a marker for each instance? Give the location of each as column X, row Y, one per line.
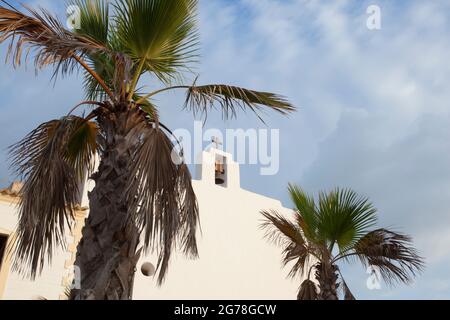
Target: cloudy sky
column 373, row 108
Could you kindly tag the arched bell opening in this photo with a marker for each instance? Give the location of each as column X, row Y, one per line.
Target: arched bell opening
column 220, row 171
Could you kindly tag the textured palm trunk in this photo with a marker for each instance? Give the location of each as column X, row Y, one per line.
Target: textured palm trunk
column 326, row 275
column 107, row 253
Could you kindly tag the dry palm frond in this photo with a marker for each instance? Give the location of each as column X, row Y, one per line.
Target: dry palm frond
column 51, row 161
column 392, row 253
column 282, row 232
column 278, row 228
column 163, row 203
column 307, row 291
column 189, row 211
column 200, row 99
column 46, row 36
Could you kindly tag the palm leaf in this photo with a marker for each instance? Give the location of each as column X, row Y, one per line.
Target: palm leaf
column 148, row 107
column 82, row 147
column 45, row 35
column 306, row 215
column 344, row 217
column 95, row 24
column 162, row 199
column 51, row 161
column 307, row 291
column 279, row 228
column 286, row 234
column 161, row 36
column 392, row 253
column 103, row 65
column 94, row 20
column 200, row 99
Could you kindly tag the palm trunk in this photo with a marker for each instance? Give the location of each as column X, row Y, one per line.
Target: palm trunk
column 326, row 275
column 107, row 253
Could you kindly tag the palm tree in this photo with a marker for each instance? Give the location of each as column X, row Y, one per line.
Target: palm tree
column 140, row 193
column 335, row 229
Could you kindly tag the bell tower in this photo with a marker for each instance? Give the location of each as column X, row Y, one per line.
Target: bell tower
column 216, row 167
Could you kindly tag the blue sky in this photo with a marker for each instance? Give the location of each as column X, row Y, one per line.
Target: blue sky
column 373, row 114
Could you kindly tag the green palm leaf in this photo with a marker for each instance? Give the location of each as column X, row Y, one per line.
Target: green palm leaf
column 93, row 20
column 307, row 217
column 160, row 36
column 344, row 217
column 200, row 99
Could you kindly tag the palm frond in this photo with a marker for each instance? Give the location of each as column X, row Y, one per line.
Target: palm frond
column 51, row 161
column 94, row 24
column 188, row 211
column 278, row 228
column 344, row 217
column 93, row 20
column 286, row 234
column 306, row 215
column 392, row 253
column 201, row 99
column 82, row 147
column 45, row 35
column 103, row 65
column 148, row 107
column 301, row 255
column 307, row 291
column 162, row 199
column 161, row 36
column 115, row 70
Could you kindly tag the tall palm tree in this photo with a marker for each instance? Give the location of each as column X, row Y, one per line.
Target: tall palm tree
column 336, row 229
column 140, row 193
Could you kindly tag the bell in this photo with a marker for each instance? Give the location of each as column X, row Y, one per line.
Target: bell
column 220, row 168
column 219, row 181
column 220, row 171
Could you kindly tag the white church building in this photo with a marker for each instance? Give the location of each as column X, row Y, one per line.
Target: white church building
column 236, row 262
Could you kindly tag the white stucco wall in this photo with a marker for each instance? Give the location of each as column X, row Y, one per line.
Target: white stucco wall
column 49, row 284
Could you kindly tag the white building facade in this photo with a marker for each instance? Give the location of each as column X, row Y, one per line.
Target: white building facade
column 236, row 262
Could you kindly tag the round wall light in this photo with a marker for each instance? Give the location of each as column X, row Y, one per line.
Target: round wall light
column 148, row 269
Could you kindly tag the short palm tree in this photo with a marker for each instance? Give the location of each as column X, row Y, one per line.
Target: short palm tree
column 335, row 229
column 140, row 193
